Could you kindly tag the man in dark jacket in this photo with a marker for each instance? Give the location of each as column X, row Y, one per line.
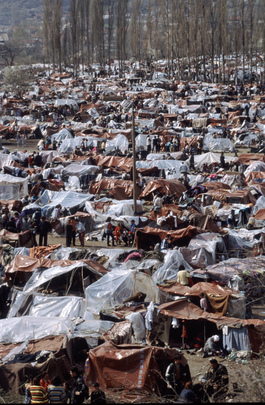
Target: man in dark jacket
column 79, row 388
column 38, row 160
column 98, row 396
column 177, row 374
column 44, row 228
column 68, row 232
column 216, row 380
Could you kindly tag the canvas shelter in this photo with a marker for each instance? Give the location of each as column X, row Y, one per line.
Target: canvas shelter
column 146, row 366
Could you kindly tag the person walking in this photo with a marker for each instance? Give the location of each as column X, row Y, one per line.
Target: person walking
column 80, row 228
column 74, row 222
column 109, row 231
column 117, row 233
column 44, row 228
column 148, row 143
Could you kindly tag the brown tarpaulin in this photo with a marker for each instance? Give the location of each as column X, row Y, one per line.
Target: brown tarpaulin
column 22, row 238
column 235, row 196
column 24, row 264
column 248, row 158
column 216, row 185
column 118, row 189
column 175, row 288
column 254, row 176
column 128, row 367
column 217, row 305
column 260, row 214
column 165, row 187
column 183, row 309
column 181, row 237
column 123, row 163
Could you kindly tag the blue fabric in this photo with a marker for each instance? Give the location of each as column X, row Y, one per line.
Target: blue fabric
column 236, row 339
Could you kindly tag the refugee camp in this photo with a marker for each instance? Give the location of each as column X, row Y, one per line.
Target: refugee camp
column 132, row 204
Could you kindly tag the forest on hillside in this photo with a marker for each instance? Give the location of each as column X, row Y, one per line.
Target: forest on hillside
column 189, row 34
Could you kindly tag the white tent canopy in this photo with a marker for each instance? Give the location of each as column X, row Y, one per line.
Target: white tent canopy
column 210, row 158
column 75, row 169
column 12, row 188
column 67, row 199
column 118, row 285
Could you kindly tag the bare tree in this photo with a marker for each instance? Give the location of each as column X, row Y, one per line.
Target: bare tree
column 121, row 32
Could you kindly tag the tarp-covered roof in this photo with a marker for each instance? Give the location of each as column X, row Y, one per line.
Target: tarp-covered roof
column 165, row 187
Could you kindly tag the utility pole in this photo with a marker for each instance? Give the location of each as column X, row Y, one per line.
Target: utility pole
column 134, row 164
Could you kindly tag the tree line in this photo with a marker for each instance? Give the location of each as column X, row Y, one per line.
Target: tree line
column 206, row 39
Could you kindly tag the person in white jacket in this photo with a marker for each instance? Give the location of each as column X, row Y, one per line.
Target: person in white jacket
column 80, row 228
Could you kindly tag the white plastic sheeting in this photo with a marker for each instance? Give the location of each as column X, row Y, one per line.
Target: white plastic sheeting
column 212, row 242
column 73, row 184
column 118, row 285
column 217, row 144
column 169, row 270
column 119, row 211
column 119, row 142
column 41, row 277
column 65, row 101
column 75, row 169
column 20, row 329
column 61, row 135
column 125, row 207
column 112, row 255
column 257, row 166
column 171, row 167
column 47, row 156
column 260, row 203
column 242, row 240
column 68, row 145
column 50, row 306
column 138, row 326
column 13, row 188
column 68, row 199
column 54, row 170
column 210, row 158
column 63, row 307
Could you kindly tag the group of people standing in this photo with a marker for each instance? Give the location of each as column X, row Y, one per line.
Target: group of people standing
column 42, row 390
column 73, row 227
column 119, row 233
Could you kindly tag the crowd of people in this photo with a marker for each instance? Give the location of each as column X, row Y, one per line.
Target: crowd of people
column 42, row 390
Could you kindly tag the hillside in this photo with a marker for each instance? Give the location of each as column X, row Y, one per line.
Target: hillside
column 17, row 12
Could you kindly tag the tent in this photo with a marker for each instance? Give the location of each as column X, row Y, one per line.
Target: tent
column 164, row 187
column 129, row 368
column 13, row 188
column 78, row 170
column 210, row 158
column 212, row 144
column 67, row 199
column 116, row 286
